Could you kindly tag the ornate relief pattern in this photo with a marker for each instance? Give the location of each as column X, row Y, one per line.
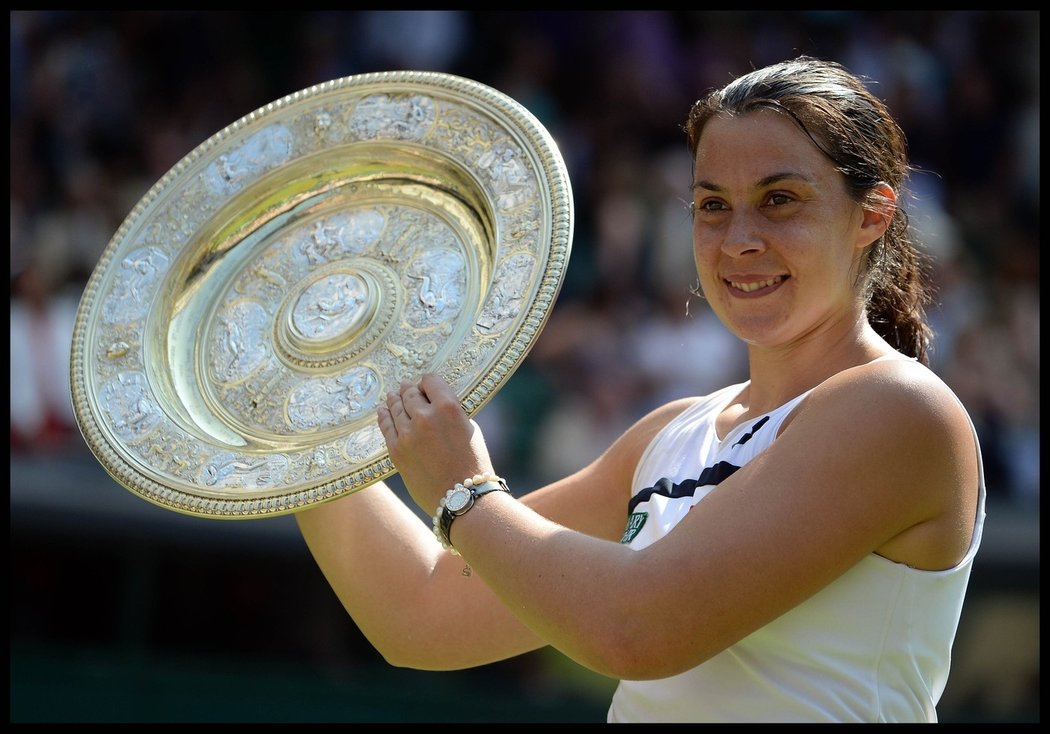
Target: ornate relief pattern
column 245, row 321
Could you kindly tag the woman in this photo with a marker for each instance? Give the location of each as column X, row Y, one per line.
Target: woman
column 793, row 548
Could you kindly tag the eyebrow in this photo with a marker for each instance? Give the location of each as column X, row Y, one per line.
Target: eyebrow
column 762, row 183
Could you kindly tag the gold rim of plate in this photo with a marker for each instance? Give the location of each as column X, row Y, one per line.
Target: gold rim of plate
column 245, row 321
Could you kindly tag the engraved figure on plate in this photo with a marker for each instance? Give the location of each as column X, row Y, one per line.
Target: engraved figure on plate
column 233, row 471
column 504, row 302
column 328, row 402
column 239, row 343
column 332, row 239
column 511, row 181
column 382, row 116
column 138, row 276
column 259, row 153
column 330, row 306
column 437, row 281
column 130, row 405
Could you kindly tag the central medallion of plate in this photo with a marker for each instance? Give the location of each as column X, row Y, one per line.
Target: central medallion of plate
column 330, row 308
column 292, row 345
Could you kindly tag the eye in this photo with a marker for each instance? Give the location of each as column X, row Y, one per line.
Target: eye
column 707, row 205
column 779, row 198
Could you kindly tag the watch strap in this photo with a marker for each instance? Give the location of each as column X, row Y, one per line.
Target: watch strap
column 446, row 517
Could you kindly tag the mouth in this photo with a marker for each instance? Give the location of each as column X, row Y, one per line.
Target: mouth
column 757, row 285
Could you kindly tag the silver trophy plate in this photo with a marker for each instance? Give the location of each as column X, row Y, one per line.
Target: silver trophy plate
column 246, row 320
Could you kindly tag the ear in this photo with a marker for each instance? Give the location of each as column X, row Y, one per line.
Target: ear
column 878, row 212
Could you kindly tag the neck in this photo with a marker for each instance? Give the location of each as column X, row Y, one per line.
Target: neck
column 784, row 372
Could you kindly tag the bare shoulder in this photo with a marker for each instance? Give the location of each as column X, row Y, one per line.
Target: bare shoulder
column 905, row 438
column 897, row 410
column 890, row 390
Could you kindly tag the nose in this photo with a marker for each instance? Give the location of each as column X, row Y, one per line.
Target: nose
column 742, row 235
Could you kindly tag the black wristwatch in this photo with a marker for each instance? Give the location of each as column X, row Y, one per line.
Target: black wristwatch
column 460, row 499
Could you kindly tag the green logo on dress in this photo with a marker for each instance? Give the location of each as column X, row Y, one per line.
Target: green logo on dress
column 634, row 526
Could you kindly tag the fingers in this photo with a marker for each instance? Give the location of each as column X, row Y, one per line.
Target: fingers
column 435, row 388
column 397, row 417
column 401, row 405
column 386, row 424
column 410, row 401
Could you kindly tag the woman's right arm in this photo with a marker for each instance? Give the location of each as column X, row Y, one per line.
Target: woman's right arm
column 423, row 607
column 419, row 605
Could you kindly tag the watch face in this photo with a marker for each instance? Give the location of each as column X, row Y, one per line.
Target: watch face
column 458, row 501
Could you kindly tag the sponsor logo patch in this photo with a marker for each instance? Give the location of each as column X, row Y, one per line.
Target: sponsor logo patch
column 634, row 526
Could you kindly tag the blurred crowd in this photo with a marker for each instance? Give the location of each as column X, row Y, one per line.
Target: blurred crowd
column 104, row 103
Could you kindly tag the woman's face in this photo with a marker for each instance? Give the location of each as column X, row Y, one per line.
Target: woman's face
column 776, row 238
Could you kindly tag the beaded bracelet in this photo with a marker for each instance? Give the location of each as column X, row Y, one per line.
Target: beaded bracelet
column 463, row 494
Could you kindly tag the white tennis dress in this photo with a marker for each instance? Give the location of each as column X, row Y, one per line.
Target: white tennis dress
column 873, row 646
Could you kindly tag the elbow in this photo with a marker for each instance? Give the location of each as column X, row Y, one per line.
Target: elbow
column 399, row 653
column 396, row 660
column 415, row 662
column 407, row 652
column 642, row 666
column 641, row 654
column 622, row 663
column 397, row 656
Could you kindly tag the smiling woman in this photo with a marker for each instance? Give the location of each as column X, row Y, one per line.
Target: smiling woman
column 169, row 598
column 785, row 560
column 781, row 222
column 874, row 167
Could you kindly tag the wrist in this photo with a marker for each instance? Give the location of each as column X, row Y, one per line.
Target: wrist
column 459, row 500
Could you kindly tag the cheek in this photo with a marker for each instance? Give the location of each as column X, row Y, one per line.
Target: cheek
column 704, row 245
column 707, row 269
column 701, row 242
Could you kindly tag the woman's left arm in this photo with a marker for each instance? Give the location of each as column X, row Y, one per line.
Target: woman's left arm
column 877, row 458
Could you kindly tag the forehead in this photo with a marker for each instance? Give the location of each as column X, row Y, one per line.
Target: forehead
column 756, row 144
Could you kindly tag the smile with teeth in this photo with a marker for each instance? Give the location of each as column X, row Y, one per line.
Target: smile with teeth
column 749, row 287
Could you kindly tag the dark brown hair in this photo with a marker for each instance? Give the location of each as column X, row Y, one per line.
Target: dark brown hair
column 856, row 131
